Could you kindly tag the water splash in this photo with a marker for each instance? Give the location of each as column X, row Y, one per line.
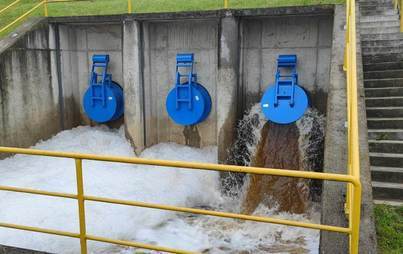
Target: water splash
column 187, row 188
column 243, row 149
column 298, row 146
column 248, row 136
column 311, row 146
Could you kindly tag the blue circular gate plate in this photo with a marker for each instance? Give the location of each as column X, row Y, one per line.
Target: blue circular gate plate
column 284, row 113
column 207, row 100
column 114, row 104
column 183, row 115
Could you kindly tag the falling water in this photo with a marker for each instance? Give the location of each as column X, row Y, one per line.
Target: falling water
column 297, row 146
column 244, row 148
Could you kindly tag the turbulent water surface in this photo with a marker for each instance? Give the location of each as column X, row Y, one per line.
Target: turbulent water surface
column 297, row 146
column 142, row 183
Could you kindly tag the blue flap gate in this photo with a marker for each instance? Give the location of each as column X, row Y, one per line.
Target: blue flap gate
column 188, row 103
column 285, row 102
column 103, row 100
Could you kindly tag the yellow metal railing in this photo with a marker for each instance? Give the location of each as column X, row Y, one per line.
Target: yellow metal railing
column 353, row 167
column 45, row 4
column 26, row 14
column 352, row 178
column 81, row 197
column 399, row 7
column 9, row 6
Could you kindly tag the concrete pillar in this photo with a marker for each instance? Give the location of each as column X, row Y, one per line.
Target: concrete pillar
column 133, row 83
column 335, row 158
column 335, row 161
column 227, row 85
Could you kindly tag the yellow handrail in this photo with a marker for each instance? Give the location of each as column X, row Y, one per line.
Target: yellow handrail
column 353, row 202
column 178, row 164
column 352, row 178
column 22, row 16
column 10, row 5
column 399, row 7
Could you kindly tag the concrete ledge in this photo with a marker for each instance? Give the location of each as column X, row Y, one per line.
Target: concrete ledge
column 368, row 243
column 283, row 11
column 14, row 250
column 20, row 32
column 294, row 10
column 333, row 197
column 335, row 158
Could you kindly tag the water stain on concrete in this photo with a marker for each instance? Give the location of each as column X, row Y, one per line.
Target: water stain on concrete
column 192, row 136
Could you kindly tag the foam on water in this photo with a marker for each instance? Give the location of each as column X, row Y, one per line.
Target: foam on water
column 131, row 182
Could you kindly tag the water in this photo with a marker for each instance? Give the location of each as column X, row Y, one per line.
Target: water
column 143, row 183
column 297, row 146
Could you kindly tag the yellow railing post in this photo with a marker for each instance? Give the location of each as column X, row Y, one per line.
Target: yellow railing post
column 401, row 15
column 226, row 4
column 45, row 7
column 81, row 208
column 129, row 6
column 354, row 218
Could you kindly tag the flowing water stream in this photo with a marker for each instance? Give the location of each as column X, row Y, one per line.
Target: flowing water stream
column 297, row 146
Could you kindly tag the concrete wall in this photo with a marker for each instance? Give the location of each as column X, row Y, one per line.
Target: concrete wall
column 76, row 44
column 264, row 38
column 235, row 60
column 29, row 105
column 335, row 161
column 44, row 72
column 162, row 41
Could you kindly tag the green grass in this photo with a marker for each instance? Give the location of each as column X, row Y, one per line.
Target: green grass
column 145, row 6
column 389, row 229
column 105, row 7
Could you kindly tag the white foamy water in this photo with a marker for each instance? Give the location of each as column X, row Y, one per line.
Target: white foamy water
column 135, row 182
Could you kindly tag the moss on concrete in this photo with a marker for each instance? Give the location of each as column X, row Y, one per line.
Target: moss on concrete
column 389, row 228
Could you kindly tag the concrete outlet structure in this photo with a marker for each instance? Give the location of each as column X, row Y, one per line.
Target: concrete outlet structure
column 235, row 60
column 44, row 71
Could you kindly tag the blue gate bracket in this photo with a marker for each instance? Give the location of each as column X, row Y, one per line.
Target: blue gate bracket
column 103, row 100
column 285, row 102
column 188, row 103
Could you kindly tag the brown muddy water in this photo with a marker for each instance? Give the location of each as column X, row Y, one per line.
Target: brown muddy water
column 278, row 148
column 297, row 146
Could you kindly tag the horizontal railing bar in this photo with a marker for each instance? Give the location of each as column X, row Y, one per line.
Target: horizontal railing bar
column 10, row 5
column 22, row 16
column 187, row 165
column 38, row 192
column 221, row 214
column 93, row 238
column 137, row 245
column 181, row 209
column 40, row 230
column 63, row 1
